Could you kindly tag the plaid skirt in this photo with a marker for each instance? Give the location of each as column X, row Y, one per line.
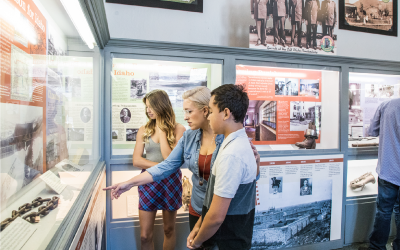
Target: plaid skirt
column 162, row 195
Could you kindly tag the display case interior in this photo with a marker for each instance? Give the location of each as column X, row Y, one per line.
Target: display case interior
column 366, row 93
column 291, row 108
column 362, row 179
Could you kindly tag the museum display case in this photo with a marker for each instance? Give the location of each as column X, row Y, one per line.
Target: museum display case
column 366, row 93
column 286, row 102
column 50, row 125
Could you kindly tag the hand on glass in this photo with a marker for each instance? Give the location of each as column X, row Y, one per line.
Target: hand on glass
column 191, row 244
column 118, row 189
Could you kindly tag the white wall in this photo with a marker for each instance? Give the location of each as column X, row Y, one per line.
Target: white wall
column 226, row 23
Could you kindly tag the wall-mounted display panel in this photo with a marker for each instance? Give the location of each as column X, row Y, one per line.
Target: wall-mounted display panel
column 284, row 101
column 376, row 17
column 133, row 78
column 366, row 93
column 299, row 201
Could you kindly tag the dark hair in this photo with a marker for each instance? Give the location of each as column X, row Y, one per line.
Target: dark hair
column 232, row 97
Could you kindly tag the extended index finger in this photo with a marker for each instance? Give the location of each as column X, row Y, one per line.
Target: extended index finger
column 109, row 188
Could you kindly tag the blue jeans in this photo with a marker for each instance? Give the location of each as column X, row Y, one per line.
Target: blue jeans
column 387, row 202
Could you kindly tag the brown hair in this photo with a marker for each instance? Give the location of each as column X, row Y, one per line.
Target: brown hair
column 161, row 105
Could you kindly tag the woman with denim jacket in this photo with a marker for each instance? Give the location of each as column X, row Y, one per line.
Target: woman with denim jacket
column 197, row 149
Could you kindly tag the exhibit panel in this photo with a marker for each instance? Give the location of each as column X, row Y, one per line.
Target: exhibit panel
column 298, row 201
column 291, row 108
column 132, row 79
column 49, row 126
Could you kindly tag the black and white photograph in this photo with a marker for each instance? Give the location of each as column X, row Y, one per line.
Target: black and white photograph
column 131, row 134
column 309, row 87
column 371, row 16
column 386, row 91
column 305, row 186
column 21, row 147
column 356, row 116
column 302, row 26
column 175, row 84
column 275, row 185
column 114, row 134
column 138, row 88
column 372, row 90
column 287, row 86
column 125, row 115
column 260, row 121
column 73, row 86
column 76, row 134
column 302, row 113
column 294, row 220
column 86, row 115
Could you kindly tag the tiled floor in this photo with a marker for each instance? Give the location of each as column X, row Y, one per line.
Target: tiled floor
column 357, row 245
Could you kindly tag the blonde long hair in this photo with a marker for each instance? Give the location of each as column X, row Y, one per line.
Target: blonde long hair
column 162, row 107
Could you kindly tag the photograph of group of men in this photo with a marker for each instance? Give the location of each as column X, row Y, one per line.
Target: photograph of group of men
column 318, row 18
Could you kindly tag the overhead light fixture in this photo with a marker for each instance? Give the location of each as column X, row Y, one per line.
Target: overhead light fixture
column 75, row 12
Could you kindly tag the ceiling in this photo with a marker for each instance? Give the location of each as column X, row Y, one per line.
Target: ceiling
column 60, row 17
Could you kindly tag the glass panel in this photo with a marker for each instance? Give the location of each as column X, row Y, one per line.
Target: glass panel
column 132, row 79
column 366, row 93
column 48, row 120
column 284, row 101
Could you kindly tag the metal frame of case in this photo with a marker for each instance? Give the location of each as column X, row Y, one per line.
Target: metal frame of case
column 119, row 231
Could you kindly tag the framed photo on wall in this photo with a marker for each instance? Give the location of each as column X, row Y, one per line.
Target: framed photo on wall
column 186, row 5
column 371, row 16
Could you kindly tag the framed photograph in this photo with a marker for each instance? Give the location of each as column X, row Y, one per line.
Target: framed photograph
column 371, row 16
column 186, row 5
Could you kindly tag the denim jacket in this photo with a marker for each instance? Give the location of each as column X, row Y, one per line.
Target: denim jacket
column 186, row 153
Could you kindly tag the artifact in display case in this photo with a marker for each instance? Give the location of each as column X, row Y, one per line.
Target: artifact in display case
column 33, row 217
column 310, row 135
column 366, row 93
column 362, row 181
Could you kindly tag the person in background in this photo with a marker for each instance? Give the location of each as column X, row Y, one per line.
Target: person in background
column 227, row 218
column 159, row 136
column 296, row 15
column 261, row 17
column 386, row 125
column 329, row 14
column 197, row 150
column 280, row 10
column 310, row 15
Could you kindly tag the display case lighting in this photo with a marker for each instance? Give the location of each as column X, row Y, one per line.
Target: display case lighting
column 75, row 12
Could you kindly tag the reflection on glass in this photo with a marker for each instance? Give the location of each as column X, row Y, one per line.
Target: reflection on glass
column 366, row 93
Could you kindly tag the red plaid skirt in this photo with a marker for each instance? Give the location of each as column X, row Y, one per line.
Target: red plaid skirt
column 162, row 195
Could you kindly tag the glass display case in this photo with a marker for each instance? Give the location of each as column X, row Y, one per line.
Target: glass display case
column 131, row 80
column 283, row 103
column 49, row 126
column 366, row 93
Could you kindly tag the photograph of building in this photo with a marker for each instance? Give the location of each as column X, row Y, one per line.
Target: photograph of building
column 302, row 113
column 260, row 121
column 309, row 87
column 294, row 220
column 131, row 134
column 375, row 14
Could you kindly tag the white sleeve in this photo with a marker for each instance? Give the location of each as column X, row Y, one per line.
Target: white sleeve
column 228, row 176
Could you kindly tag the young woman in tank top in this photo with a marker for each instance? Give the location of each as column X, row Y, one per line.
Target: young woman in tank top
column 158, row 137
